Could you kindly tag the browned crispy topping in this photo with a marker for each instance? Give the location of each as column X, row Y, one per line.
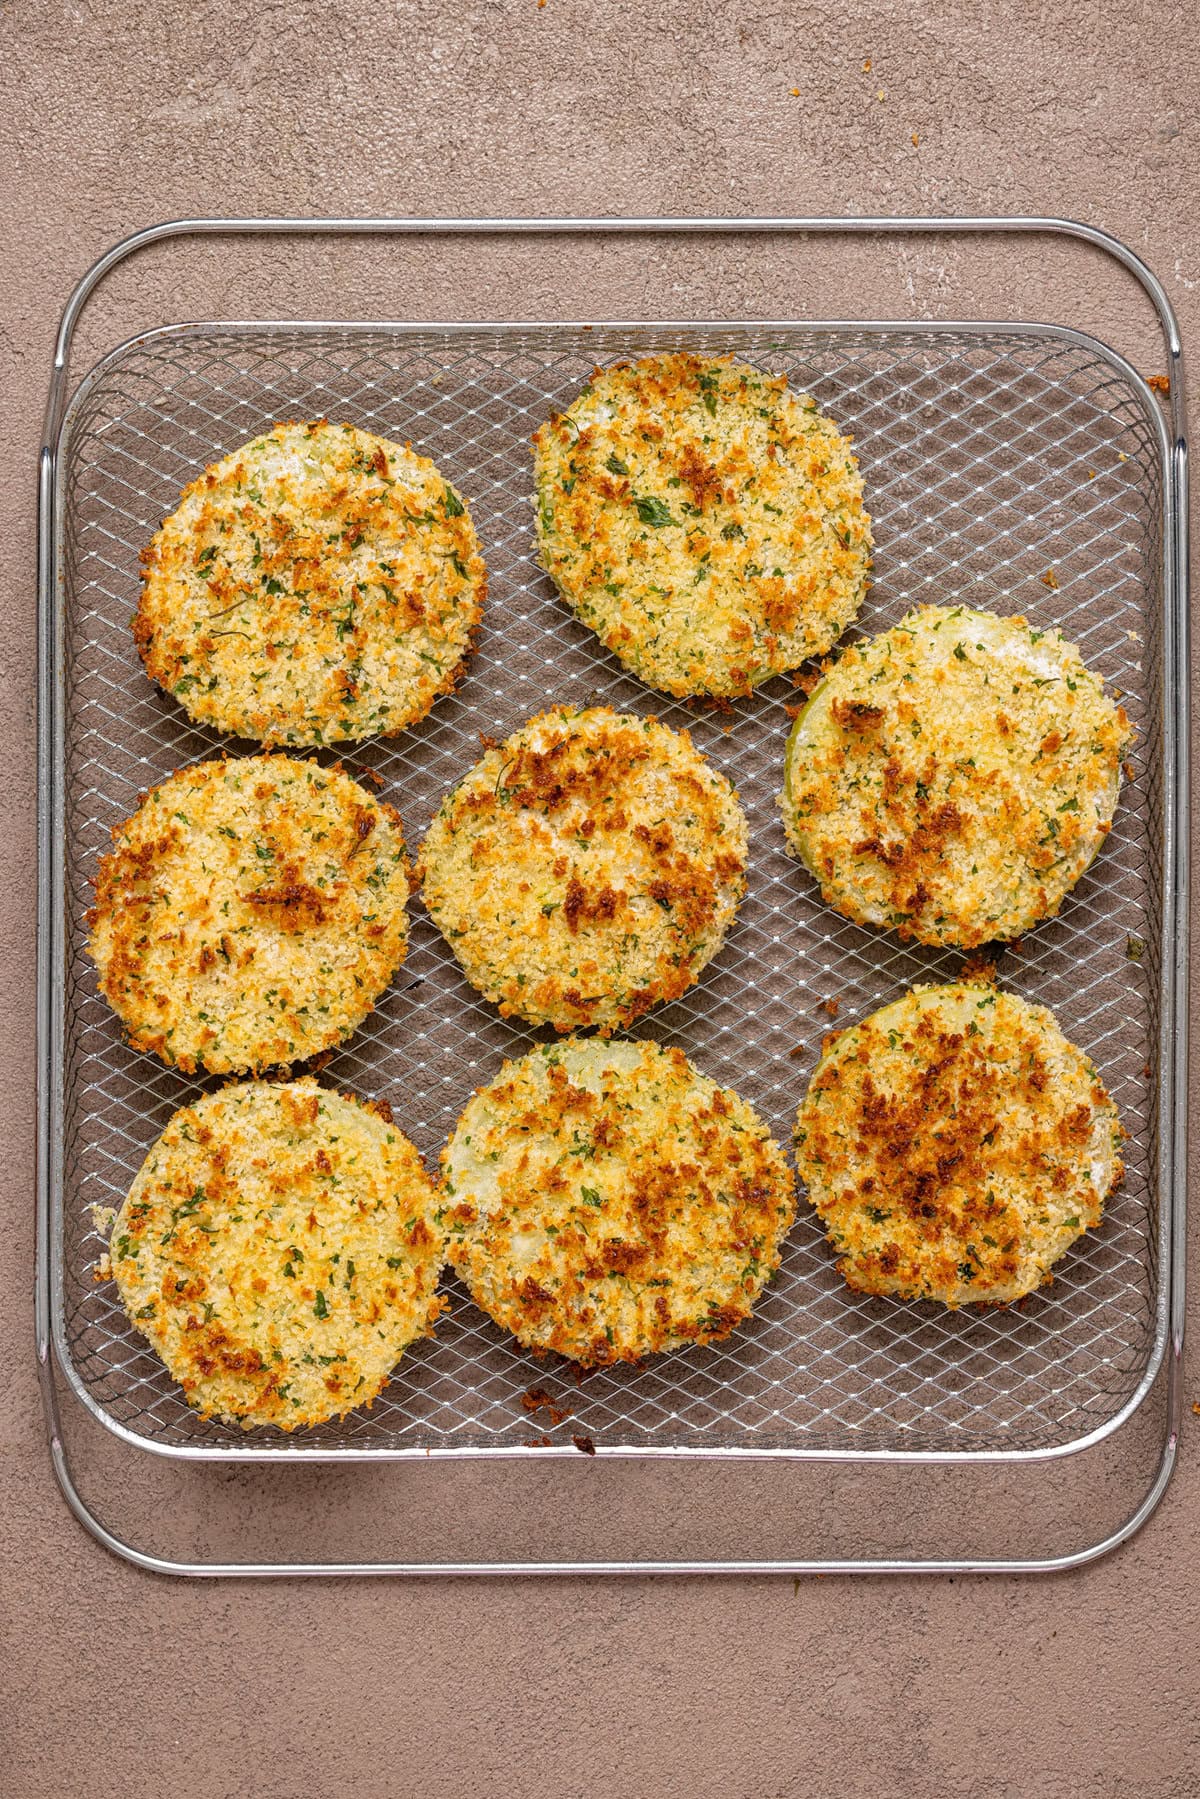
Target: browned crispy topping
column 587, row 869
column 609, row 1202
column 265, row 1312
column 250, row 913
column 955, row 1144
column 316, row 585
column 952, row 778
column 704, row 520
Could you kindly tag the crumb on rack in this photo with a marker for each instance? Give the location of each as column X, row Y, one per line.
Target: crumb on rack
column 584, row 1445
column 832, row 1006
column 1050, row 580
column 537, row 1399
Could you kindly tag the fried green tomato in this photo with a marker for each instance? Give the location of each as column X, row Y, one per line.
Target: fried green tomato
column 279, row 1249
column 316, row 585
column 705, row 521
column 608, row 1202
column 587, row 869
column 955, row 1145
column 954, row 777
column 250, row 914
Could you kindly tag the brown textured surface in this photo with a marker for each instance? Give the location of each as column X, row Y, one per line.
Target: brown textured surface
column 120, row 114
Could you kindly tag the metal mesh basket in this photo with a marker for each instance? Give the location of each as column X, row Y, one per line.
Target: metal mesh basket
column 998, row 462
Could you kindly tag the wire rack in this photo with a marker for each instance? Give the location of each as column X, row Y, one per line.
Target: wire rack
column 1014, row 469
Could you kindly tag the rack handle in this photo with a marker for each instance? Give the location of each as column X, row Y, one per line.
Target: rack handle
column 866, row 226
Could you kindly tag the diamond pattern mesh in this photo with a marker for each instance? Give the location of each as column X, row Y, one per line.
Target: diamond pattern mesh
column 990, row 459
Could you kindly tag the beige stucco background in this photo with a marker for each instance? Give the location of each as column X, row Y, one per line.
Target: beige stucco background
column 115, row 1682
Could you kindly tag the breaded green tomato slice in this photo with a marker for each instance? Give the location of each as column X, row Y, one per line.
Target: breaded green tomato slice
column 955, row 1145
column 250, row 914
column 705, row 521
column 954, row 777
column 607, row 1201
column 587, row 869
column 280, row 1249
column 317, row 585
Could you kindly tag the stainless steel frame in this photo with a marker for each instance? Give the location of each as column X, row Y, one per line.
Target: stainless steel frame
column 1172, row 1015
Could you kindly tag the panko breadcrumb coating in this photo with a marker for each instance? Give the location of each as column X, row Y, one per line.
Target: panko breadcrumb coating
column 250, row 914
column 587, row 869
column 607, row 1201
column 954, row 777
column 316, row 585
column 705, row 521
column 955, row 1145
column 279, row 1249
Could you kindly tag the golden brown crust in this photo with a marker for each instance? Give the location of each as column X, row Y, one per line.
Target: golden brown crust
column 954, row 777
column 706, row 522
column 955, row 1145
column 250, row 914
column 587, row 869
column 608, row 1202
column 279, row 1249
column 316, row 585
